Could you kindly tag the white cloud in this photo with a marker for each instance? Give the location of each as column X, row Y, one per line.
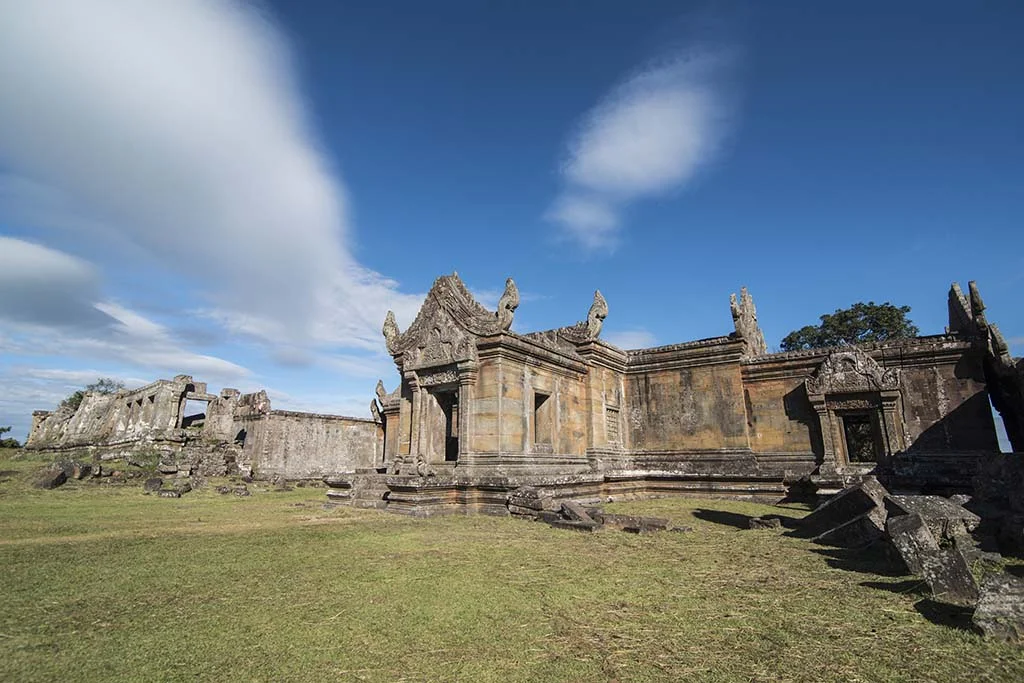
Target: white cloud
column 44, row 286
column 631, row 339
column 648, row 136
column 175, row 130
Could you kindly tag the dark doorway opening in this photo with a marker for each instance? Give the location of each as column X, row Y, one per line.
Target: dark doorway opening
column 449, row 402
column 861, row 433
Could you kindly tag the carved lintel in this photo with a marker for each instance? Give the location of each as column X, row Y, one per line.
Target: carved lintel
column 448, row 374
column 850, row 372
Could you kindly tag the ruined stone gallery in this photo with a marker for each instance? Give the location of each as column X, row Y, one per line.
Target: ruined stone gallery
column 481, row 411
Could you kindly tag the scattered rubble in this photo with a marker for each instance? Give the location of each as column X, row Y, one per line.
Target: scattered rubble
column 935, row 538
column 52, row 479
column 532, row 503
column 1000, row 611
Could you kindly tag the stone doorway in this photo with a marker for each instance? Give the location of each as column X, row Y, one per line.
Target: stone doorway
column 442, row 438
column 862, row 437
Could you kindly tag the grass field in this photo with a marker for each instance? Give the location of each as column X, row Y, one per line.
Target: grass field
column 104, row 583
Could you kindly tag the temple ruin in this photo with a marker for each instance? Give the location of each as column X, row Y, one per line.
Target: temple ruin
column 481, row 411
column 236, row 432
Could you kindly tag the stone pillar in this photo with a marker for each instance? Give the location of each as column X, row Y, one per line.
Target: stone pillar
column 417, row 414
column 830, row 458
column 467, row 382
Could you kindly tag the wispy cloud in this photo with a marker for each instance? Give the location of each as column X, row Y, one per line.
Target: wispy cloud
column 646, row 137
column 175, row 131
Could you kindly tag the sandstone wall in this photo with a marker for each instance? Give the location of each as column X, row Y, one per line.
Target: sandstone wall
column 686, row 397
column 305, row 445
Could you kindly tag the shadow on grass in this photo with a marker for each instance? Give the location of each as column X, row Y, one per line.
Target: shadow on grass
column 735, row 519
column 942, row 614
column 874, row 559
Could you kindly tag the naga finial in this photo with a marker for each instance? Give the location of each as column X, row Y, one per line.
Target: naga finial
column 381, row 392
column 744, row 317
column 391, row 332
column 507, row 304
column 596, row 315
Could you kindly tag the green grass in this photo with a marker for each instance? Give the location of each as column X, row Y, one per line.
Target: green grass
column 104, row 583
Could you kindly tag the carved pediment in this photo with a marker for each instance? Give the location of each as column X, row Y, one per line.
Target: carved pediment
column 851, row 372
column 447, row 325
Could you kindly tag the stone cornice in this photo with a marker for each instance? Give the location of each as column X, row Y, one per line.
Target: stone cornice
column 528, row 351
column 713, row 351
column 920, row 351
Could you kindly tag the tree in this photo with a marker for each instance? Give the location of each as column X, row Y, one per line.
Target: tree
column 103, row 385
column 8, row 443
column 861, row 322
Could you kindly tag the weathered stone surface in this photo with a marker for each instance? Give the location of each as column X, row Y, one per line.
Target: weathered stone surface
column 169, row 493
column 52, row 479
column 849, row 504
column 912, row 539
column 859, row 531
column 948, row 575
column 242, row 491
column 574, row 511
column 183, row 487
column 765, row 523
column 167, row 468
column 153, row 484
column 532, row 498
column 946, row 519
column 1000, row 611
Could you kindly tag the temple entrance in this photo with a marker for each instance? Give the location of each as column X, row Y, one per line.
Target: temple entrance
column 443, row 441
column 861, row 437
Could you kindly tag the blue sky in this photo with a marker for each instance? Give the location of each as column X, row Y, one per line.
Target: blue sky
column 240, row 192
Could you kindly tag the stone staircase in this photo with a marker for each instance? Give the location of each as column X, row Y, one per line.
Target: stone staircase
column 364, row 489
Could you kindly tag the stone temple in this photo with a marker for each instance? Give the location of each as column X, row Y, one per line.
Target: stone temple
column 481, row 411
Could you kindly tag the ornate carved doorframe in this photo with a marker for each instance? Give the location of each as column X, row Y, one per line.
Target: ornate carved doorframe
column 852, row 382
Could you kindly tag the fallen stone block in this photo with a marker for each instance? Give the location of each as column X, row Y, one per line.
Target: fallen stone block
column 1000, row 611
column 532, row 498
column 52, row 479
column 81, row 470
column 849, row 504
column 169, row 493
column 948, row 575
column 946, row 519
column 183, row 488
column 153, row 485
column 765, row 523
column 167, row 468
column 859, row 531
column 912, row 539
column 242, row 491
column 523, row 511
column 574, row 511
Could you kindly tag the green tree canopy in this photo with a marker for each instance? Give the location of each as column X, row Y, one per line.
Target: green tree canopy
column 861, row 322
column 8, row 443
column 104, row 385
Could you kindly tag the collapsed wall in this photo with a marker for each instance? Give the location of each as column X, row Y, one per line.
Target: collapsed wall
column 236, row 431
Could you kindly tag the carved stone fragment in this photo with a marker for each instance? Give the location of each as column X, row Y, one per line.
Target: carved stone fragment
column 507, row 305
column 744, row 317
